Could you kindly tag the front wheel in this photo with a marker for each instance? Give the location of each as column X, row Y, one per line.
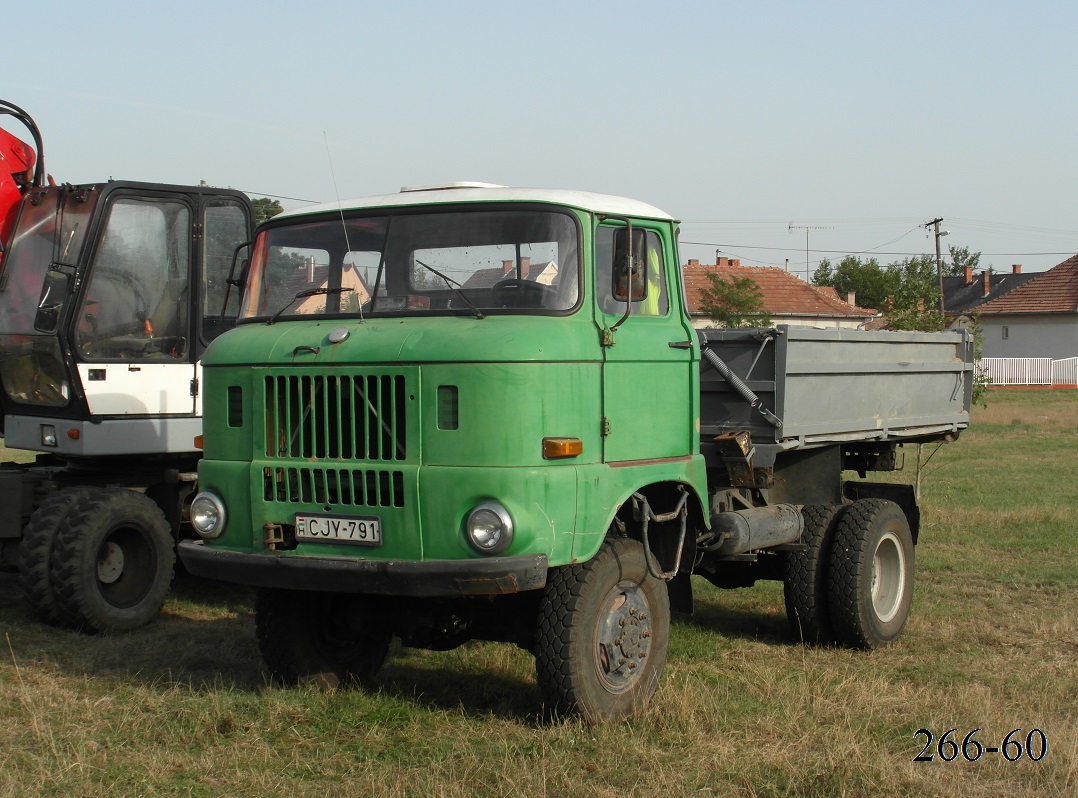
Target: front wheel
column 326, row 640
column 871, row 574
column 602, row 634
column 112, row 564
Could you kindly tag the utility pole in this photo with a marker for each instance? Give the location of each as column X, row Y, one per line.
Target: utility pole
column 806, row 228
column 935, row 225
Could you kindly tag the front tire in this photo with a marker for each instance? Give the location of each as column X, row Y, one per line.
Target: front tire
column 113, row 561
column 872, row 570
column 326, row 640
column 602, row 634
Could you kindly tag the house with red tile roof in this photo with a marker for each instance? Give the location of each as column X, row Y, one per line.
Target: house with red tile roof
column 1038, row 318
column 787, row 298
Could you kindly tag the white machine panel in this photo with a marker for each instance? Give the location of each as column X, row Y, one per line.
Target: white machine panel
column 115, row 389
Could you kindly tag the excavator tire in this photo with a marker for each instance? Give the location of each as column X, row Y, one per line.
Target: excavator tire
column 35, row 551
column 113, row 562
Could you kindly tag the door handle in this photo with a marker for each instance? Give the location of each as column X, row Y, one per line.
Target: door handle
column 680, row 344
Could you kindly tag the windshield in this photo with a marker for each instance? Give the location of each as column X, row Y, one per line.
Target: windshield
column 34, row 286
column 51, row 230
column 476, row 262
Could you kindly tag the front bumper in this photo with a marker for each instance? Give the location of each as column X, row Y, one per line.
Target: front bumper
column 485, row 577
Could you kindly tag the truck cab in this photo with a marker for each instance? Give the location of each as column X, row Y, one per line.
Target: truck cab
column 440, row 350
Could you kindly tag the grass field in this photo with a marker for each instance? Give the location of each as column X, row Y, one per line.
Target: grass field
column 182, row 707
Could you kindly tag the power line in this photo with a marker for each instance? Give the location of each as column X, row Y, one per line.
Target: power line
column 855, row 252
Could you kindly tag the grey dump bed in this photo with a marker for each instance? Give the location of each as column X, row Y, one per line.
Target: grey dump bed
column 815, row 387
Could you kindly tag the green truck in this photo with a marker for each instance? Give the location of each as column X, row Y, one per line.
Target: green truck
column 476, row 412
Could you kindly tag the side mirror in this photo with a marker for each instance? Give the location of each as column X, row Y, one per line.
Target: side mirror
column 232, row 280
column 629, row 274
column 51, row 303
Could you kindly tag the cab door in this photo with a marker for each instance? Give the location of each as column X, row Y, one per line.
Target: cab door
column 141, row 324
column 648, row 406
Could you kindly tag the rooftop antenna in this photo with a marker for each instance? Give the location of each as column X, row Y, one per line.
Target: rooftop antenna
column 806, row 228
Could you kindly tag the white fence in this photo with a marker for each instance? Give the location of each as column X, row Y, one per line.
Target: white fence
column 1030, row 370
column 1065, row 372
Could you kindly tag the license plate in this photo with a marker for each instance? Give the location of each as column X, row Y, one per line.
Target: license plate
column 339, row 529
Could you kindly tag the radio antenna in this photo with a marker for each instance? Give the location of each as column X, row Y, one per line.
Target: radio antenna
column 344, row 227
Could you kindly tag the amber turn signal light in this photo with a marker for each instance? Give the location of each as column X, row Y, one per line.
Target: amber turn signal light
column 557, row 448
column 198, row 442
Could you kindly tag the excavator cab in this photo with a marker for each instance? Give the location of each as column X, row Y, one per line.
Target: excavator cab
column 109, row 293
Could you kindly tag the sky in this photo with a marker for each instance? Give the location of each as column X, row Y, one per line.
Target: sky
column 764, row 127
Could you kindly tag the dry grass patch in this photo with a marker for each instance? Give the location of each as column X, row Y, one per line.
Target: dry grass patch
column 183, row 707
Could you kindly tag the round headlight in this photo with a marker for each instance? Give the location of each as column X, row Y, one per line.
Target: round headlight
column 208, row 515
column 489, row 528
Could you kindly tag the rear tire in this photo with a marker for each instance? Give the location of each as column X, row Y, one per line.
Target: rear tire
column 326, row 640
column 872, row 570
column 602, row 634
column 805, row 585
column 112, row 564
column 35, row 552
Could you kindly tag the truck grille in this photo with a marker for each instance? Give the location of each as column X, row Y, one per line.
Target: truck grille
column 349, row 417
column 336, row 486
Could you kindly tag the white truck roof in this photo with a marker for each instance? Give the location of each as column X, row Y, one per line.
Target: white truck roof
column 487, row 192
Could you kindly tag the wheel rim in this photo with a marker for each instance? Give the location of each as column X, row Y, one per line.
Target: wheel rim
column 888, row 577
column 623, row 635
column 110, row 562
column 126, row 567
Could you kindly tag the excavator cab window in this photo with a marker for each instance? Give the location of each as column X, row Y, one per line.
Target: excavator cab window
column 136, row 302
column 224, row 225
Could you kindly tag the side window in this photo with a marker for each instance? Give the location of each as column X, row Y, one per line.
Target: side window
column 136, row 303
column 225, row 228
column 620, row 263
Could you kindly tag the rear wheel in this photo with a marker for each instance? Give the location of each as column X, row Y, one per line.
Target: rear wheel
column 35, row 551
column 602, row 634
column 872, row 569
column 323, row 639
column 806, row 579
column 112, row 564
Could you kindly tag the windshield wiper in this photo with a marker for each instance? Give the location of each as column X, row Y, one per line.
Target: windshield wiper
column 454, row 286
column 304, row 294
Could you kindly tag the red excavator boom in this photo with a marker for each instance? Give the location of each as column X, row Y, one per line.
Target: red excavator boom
column 17, row 169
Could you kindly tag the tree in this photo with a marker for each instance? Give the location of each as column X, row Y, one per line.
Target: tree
column 266, row 208
column 907, row 291
column 916, row 299
column 734, row 301
column 867, row 279
column 961, row 259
